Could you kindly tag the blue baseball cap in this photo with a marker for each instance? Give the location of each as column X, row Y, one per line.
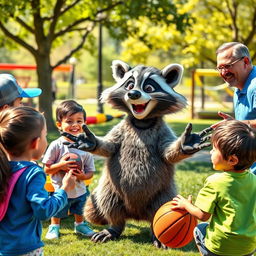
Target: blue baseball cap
column 10, row 90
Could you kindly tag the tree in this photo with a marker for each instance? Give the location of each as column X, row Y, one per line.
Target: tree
column 211, row 24
column 40, row 26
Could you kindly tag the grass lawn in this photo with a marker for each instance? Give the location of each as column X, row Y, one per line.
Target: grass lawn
column 136, row 239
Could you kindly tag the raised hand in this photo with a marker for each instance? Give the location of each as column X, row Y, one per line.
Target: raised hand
column 85, row 141
column 193, row 142
column 225, row 117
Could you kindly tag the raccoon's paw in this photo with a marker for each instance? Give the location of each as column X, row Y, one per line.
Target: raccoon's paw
column 105, row 235
column 85, row 141
column 193, row 142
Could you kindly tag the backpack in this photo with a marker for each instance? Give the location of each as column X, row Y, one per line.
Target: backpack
column 4, row 204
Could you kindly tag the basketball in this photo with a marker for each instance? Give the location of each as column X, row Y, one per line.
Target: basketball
column 73, row 157
column 173, row 228
column 69, row 156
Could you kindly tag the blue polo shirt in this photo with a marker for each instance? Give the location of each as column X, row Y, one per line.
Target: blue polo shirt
column 245, row 102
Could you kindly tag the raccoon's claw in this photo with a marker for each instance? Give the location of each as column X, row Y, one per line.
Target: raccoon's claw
column 104, row 236
column 193, row 142
column 158, row 244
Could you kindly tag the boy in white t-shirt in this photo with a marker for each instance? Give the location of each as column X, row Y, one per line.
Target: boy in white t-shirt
column 70, row 116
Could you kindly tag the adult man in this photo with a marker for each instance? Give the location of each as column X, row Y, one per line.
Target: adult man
column 236, row 69
column 11, row 93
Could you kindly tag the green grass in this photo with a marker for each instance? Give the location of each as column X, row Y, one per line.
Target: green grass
column 136, row 239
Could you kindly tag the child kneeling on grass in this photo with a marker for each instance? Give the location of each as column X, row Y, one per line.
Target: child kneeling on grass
column 70, row 116
column 229, row 196
column 24, row 202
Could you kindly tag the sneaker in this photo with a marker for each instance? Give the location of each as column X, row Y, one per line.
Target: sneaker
column 53, row 232
column 84, row 229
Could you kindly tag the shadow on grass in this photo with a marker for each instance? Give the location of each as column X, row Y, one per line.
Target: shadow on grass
column 133, row 234
column 144, row 236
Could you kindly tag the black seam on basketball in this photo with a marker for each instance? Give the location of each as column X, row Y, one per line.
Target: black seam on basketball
column 160, row 217
column 173, row 224
column 190, row 219
column 176, row 234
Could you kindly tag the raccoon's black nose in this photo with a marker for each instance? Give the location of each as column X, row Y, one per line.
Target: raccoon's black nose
column 134, row 95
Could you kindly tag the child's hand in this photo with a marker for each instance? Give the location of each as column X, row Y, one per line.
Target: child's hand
column 225, row 118
column 65, row 164
column 180, row 202
column 69, row 181
column 80, row 175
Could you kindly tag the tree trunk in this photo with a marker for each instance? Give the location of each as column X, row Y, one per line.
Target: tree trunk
column 44, row 74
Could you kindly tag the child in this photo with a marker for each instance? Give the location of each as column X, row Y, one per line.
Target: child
column 228, row 197
column 70, row 116
column 11, row 93
column 23, row 139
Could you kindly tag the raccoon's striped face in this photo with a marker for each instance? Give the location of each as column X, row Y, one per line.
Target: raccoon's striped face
column 144, row 93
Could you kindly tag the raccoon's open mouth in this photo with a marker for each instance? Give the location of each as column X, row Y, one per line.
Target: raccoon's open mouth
column 139, row 108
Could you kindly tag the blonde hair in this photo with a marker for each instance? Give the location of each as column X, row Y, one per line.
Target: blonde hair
column 18, row 127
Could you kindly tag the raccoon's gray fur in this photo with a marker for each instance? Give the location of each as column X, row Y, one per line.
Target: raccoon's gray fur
column 140, row 151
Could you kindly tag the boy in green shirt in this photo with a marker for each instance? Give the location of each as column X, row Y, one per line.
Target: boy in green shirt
column 229, row 196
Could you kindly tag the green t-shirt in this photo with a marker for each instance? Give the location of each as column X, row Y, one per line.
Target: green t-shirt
column 231, row 199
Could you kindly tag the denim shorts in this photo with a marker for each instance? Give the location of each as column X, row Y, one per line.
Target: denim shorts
column 74, row 206
column 199, row 236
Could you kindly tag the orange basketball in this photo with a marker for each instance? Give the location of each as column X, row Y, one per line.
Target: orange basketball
column 173, row 228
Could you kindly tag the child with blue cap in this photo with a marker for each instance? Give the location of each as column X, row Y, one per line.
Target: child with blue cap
column 11, row 93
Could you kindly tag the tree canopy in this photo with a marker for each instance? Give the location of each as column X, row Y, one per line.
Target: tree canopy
column 211, row 24
column 42, row 26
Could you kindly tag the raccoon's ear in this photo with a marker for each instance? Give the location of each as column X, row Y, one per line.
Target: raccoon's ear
column 172, row 74
column 119, row 68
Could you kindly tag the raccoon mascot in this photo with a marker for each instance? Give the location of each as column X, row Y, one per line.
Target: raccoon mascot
column 140, row 151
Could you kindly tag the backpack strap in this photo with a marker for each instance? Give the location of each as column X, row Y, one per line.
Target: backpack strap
column 4, row 204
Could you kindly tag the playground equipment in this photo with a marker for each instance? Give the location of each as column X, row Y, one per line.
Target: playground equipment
column 197, row 80
column 11, row 66
column 101, row 118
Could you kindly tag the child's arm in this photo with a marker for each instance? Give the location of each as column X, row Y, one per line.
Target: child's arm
column 186, row 204
column 80, row 175
column 43, row 205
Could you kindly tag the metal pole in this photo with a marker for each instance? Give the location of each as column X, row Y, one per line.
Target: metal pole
column 193, row 95
column 100, row 86
column 72, row 78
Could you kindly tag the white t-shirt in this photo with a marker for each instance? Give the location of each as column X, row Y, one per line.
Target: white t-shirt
column 55, row 152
